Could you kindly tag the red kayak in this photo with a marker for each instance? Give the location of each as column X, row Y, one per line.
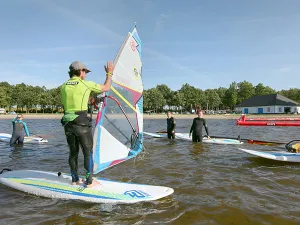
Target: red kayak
column 268, row 121
column 273, row 119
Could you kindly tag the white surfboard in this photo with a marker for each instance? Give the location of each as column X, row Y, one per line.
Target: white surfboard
column 32, row 139
column 156, row 135
column 223, row 141
column 50, row 185
column 275, row 155
column 185, row 136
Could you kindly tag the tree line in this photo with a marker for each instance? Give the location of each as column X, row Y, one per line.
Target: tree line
column 29, row 98
column 219, row 98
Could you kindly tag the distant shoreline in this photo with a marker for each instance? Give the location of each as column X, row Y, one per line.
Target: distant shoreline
column 156, row 116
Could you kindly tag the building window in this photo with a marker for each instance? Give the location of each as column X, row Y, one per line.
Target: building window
column 269, row 109
column 280, row 109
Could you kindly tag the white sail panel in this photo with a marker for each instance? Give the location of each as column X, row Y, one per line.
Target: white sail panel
column 119, row 132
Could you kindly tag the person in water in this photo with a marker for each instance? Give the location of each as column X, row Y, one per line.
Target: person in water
column 171, row 125
column 196, row 128
column 77, row 124
column 19, row 130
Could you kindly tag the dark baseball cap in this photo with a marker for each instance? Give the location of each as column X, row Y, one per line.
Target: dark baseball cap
column 76, row 65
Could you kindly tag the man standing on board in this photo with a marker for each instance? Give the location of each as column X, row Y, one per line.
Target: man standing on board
column 77, row 124
column 171, row 125
column 196, row 127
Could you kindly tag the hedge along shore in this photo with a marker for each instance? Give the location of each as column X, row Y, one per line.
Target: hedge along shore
column 157, row 116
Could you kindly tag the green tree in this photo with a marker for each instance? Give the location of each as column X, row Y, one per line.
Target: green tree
column 245, row 90
column 154, row 99
column 192, row 96
column 221, row 92
column 146, row 100
column 3, row 97
column 292, row 93
column 45, row 99
column 37, row 92
column 260, row 89
column 55, row 97
column 179, row 100
column 213, row 100
column 166, row 92
column 6, row 94
column 231, row 96
column 28, row 98
column 19, row 95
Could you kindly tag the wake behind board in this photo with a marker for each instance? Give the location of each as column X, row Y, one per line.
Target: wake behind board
column 185, row 136
column 50, row 185
column 278, row 155
column 34, row 140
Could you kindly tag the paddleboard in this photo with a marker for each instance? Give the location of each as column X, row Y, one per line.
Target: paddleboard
column 275, row 155
column 36, row 140
column 156, row 135
column 185, row 136
column 51, row 185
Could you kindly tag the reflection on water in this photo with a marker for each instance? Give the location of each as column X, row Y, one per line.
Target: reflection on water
column 214, row 184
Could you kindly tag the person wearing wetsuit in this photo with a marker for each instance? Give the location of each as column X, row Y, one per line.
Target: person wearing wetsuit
column 196, row 128
column 77, row 124
column 19, row 126
column 171, row 125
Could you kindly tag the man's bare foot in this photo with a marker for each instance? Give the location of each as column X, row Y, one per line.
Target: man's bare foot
column 93, row 184
column 78, row 182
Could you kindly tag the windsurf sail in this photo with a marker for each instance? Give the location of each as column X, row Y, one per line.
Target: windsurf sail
column 118, row 134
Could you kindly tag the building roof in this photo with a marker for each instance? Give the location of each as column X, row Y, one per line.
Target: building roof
column 268, row 100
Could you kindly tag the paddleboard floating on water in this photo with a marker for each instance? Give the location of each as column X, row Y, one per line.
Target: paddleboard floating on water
column 275, row 155
column 156, row 135
column 249, row 141
column 35, row 140
column 185, row 136
column 58, row 185
column 223, row 141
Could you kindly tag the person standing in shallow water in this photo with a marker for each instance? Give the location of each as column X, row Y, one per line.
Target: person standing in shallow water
column 171, row 125
column 19, row 126
column 196, row 128
column 77, row 124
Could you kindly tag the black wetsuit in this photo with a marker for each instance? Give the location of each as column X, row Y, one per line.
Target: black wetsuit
column 19, row 130
column 79, row 133
column 75, row 95
column 171, row 125
column 196, row 128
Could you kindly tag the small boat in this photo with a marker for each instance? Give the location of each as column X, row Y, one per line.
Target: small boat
column 243, row 121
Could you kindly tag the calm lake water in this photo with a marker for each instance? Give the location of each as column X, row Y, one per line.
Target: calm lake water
column 213, row 184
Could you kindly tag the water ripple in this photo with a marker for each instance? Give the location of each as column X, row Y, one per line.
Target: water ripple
column 214, row 184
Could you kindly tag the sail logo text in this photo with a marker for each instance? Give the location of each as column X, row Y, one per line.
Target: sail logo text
column 136, row 73
column 136, row 193
column 133, row 44
column 123, row 80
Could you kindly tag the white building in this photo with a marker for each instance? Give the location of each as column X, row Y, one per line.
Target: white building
column 2, row 111
column 174, row 108
column 273, row 103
